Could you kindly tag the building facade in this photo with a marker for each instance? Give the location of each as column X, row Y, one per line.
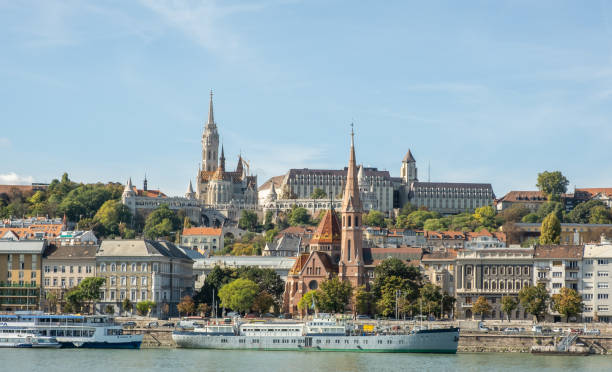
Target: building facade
column 20, row 274
column 491, row 273
column 203, row 239
column 596, row 289
column 65, row 267
column 143, row 270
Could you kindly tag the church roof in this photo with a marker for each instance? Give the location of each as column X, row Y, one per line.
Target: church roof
column 328, row 231
column 409, row 158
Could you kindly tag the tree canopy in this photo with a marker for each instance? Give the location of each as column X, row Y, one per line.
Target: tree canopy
column 162, row 222
column 551, row 230
column 318, row 193
column 239, row 295
column 552, row 183
column 534, row 299
column 482, row 307
column 567, row 302
column 248, row 220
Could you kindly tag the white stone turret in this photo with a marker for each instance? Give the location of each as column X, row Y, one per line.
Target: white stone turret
column 190, row 194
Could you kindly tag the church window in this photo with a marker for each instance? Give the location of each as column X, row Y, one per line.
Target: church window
column 349, row 221
column 313, row 284
column 356, row 221
column 348, row 251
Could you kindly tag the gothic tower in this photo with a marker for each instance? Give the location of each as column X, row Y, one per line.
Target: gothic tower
column 351, row 253
column 210, row 141
column 408, row 172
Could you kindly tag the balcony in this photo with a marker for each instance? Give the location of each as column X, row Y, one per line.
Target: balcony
column 572, row 268
column 466, row 305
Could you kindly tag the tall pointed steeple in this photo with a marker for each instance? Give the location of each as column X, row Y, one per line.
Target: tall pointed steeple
column 210, row 141
column 222, row 159
column 190, row 194
column 351, row 251
column 211, row 116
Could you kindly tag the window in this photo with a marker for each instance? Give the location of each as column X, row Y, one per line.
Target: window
column 468, row 270
column 54, row 268
column 113, row 280
column 588, row 262
column 122, row 295
column 63, row 268
column 556, row 274
column 133, row 267
column 587, row 296
column 602, row 308
column 155, row 267
column 71, row 269
column 143, row 295
column 557, row 285
column 143, row 267
column 143, row 280
column 602, row 261
column 47, row 269
column 602, row 296
column 47, row 282
column 588, row 275
column 88, row 269
column 602, row 273
column 123, row 267
column 112, row 295
column 113, row 267
column 502, row 271
column 133, row 295
column 486, row 270
column 602, row 285
column 102, row 268
column 134, row 280
column 70, row 282
column 510, row 271
column 526, row 270
column 123, row 281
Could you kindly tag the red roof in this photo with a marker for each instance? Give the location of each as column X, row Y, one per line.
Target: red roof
column 328, row 231
column 202, row 231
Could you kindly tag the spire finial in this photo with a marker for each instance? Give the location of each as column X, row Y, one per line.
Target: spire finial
column 352, row 135
column 211, row 116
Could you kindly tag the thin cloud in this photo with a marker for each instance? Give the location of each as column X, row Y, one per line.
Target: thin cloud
column 4, row 142
column 13, row 178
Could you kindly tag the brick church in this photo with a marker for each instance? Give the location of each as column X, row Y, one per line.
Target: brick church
column 336, row 246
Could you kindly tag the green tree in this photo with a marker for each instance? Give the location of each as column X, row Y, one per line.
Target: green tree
column 310, row 300
column 549, row 207
column 144, row 307
column 109, row 216
column 109, row 309
column 482, row 307
column 584, row 212
column 534, row 300
column 600, row 215
column 530, row 218
column 271, row 234
column 551, row 230
column 161, row 222
column 186, row 306
column 391, row 286
column 364, row 301
column 239, row 295
column 435, row 224
column 508, row 305
column 127, row 305
column 75, row 299
column 263, row 302
column 299, row 216
column 415, row 220
column 375, row 218
column 567, row 302
column 248, row 220
column 52, row 300
column 90, row 289
column 186, row 223
column 407, row 209
column 318, row 193
column 395, row 267
column 485, row 215
column 515, row 213
column 335, row 294
column 552, row 183
column 431, row 297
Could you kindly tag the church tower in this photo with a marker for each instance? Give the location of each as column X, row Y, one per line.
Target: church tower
column 351, row 253
column 210, row 141
column 408, row 172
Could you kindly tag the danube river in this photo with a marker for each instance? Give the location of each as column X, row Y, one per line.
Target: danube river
column 177, row 360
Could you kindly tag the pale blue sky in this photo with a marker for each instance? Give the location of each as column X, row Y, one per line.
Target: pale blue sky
column 487, row 91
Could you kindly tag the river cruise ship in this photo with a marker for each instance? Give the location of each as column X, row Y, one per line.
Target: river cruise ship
column 318, row 335
column 82, row 331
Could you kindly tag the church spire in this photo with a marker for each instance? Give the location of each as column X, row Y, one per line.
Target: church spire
column 211, row 116
column 351, row 200
column 222, row 159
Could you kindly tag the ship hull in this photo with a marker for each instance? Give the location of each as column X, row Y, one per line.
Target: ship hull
column 428, row 341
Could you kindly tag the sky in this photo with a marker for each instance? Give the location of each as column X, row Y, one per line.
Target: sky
column 479, row 91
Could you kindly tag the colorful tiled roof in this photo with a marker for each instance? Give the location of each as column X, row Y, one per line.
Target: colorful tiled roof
column 328, row 231
column 202, row 231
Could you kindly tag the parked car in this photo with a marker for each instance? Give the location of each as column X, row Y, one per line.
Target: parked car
column 250, row 316
column 575, row 330
column 168, row 324
column 227, row 320
column 363, row 317
column 268, row 315
column 129, row 324
column 511, row 331
column 233, row 314
column 594, row 332
column 152, row 325
column 285, row 316
column 558, row 330
column 483, row 328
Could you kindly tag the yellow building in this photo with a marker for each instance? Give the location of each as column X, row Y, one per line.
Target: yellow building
column 20, row 274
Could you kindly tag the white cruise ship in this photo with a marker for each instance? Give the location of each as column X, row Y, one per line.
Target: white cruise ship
column 317, row 335
column 82, row 331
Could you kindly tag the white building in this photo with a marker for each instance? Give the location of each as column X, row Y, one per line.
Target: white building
column 596, row 291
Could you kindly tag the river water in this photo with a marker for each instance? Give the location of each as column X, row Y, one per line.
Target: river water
column 178, row 360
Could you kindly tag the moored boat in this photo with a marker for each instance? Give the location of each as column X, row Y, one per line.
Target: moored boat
column 317, row 335
column 81, row 331
column 27, row 340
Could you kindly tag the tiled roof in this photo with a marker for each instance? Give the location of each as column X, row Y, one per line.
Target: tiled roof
column 202, row 231
column 450, row 254
column 592, row 191
column 277, row 181
column 70, row 251
column 487, row 186
column 559, row 251
column 139, row 248
column 299, row 263
column 328, row 231
column 403, row 253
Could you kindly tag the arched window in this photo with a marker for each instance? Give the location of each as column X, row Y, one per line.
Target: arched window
column 348, row 252
column 493, row 285
column 501, row 285
column 486, row 285
column 113, row 267
column 509, row 285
